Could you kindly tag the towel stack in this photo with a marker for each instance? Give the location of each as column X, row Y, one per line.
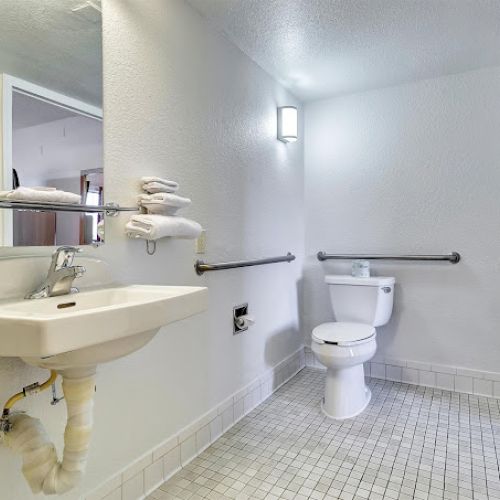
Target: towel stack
column 161, row 220
column 158, row 185
column 160, row 197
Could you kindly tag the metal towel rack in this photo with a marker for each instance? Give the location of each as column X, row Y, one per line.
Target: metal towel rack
column 110, row 209
column 453, row 257
column 201, row 267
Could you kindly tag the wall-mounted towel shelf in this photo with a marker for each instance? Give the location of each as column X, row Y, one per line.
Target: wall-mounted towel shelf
column 201, row 267
column 453, row 257
column 110, row 209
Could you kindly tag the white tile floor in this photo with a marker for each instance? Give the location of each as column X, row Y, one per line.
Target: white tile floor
column 411, row 442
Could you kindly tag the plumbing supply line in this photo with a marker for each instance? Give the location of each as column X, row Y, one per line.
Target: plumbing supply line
column 41, row 468
column 29, row 389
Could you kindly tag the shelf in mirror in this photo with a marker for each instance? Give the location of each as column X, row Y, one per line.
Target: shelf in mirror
column 110, row 209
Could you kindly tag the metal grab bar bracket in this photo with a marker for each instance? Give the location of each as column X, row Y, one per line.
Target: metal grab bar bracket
column 453, row 257
column 202, row 267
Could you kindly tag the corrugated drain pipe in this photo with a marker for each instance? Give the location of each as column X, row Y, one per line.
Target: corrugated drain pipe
column 26, row 435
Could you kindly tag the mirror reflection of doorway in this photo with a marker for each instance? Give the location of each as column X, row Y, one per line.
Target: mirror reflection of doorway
column 91, row 188
column 56, row 147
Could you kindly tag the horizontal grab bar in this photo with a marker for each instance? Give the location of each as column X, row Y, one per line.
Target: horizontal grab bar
column 201, row 267
column 39, row 206
column 453, row 257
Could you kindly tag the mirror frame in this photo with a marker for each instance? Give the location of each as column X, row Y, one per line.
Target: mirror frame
column 8, row 85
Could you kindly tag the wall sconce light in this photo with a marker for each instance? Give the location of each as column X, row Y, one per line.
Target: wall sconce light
column 287, row 124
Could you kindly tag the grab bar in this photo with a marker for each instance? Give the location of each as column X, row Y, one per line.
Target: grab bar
column 453, row 257
column 201, row 267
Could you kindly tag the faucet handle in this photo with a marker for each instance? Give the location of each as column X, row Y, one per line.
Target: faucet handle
column 79, row 271
column 69, row 249
column 63, row 256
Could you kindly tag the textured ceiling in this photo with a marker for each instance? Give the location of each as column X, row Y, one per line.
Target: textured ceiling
column 322, row 48
column 46, row 43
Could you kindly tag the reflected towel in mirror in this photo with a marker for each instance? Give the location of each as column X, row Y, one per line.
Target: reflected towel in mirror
column 41, row 194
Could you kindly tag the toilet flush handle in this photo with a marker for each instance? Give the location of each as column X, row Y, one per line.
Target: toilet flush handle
column 386, row 289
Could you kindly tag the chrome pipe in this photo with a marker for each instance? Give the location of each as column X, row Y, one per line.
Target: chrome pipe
column 202, row 267
column 453, row 257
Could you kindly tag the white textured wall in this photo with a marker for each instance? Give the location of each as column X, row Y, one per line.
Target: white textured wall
column 181, row 101
column 413, row 169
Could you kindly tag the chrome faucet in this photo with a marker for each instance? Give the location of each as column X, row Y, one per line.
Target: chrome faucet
column 61, row 274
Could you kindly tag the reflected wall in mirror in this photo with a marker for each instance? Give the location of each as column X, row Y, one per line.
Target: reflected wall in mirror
column 51, row 103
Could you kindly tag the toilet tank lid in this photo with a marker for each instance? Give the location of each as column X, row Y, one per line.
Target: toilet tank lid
column 337, row 279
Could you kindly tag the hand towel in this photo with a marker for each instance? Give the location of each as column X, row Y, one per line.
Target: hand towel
column 162, row 203
column 153, row 184
column 41, row 194
column 152, row 178
column 159, row 187
column 154, row 227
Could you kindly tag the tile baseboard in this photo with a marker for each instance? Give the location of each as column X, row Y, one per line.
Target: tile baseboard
column 445, row 377
column 149, row 471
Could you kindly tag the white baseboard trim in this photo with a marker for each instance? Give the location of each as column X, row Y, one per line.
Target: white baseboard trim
column 450, row 378
column 148, row 472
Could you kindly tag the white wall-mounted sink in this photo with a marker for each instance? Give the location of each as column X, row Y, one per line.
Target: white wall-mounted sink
column 94, row 326
column 72, row 334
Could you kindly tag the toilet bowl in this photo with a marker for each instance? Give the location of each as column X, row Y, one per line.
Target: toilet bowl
column 343, row 346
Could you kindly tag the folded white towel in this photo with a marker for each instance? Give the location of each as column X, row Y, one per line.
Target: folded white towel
column 153, row 184
column 152, row 178
column 154, row 227
column 41, row 194
column 152, row 207
column 162, row 203
column 172, row 199
column 158, row 187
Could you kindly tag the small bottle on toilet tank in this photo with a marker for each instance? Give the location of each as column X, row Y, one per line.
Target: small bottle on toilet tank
column 360, row 268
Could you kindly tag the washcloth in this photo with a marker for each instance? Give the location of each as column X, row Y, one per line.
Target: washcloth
column 153, row 184
column 41, row 194
column 154, row 227
column 162, row 203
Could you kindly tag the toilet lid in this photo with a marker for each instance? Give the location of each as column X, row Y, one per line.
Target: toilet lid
column 340, row 333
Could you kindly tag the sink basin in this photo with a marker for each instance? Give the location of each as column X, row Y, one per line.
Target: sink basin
column 94, row 326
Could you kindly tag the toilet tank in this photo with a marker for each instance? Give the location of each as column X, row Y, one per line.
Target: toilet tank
column 361, row 300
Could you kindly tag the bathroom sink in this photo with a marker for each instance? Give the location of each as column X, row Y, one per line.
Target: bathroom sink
column 93, row 326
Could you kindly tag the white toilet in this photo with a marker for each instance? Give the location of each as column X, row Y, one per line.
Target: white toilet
column 359, row 305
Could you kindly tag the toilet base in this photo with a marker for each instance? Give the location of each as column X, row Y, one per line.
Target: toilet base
column 346, row 394
column 368, row 397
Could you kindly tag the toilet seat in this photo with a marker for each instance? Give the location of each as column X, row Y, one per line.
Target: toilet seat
column 343, row 333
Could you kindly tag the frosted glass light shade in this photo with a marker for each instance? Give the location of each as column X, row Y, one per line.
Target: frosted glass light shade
column 287, row 124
